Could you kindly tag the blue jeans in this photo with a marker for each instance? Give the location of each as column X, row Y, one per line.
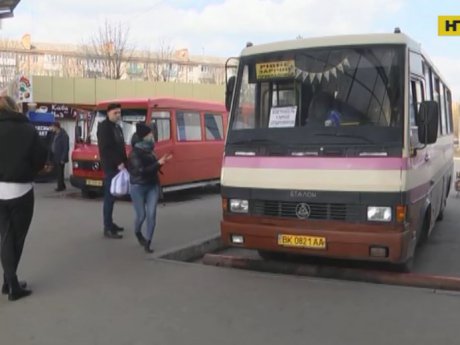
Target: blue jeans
column 145, row 201
column 109, row 200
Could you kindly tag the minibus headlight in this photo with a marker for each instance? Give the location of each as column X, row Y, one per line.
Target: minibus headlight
column 239, row 206
column 379, row 214
column 75, row 165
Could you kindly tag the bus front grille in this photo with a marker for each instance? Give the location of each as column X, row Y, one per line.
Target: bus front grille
column 288, row 209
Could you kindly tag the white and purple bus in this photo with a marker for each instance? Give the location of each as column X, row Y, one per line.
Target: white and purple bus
column 339, row 147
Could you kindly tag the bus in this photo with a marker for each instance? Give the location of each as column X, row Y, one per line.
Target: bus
column 337, row 147
column 193, row 131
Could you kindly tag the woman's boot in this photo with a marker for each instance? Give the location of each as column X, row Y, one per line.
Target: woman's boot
column 147, row 247
column 15, row 291
column 141, row 239
column 5, row 286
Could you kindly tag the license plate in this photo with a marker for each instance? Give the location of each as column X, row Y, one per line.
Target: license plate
column 302, row 241
column 94, row 183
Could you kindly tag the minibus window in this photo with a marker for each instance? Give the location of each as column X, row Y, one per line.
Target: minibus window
column 188, row 126
column 214, row 127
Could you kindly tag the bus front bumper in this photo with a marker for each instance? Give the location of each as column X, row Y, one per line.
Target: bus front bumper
column 350, row 241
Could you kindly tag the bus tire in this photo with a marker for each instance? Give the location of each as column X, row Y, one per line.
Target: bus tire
column 441, row 214
column 444, row 203
column 423, row 236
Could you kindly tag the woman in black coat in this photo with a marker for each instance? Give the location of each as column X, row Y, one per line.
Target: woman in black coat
column 143, row 168
column 22, row 156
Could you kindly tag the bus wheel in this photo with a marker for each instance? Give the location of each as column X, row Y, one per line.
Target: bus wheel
column 440, row 215
column 269, row 255
column 423, row 235
column 441, row 212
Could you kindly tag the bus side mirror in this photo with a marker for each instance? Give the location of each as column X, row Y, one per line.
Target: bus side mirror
column 427, row 120
column 229, row 92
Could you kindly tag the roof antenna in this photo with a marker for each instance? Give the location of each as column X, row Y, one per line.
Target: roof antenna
column 397, row 30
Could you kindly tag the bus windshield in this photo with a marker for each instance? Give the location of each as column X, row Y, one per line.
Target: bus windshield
column 321, row 95
column 129, row 118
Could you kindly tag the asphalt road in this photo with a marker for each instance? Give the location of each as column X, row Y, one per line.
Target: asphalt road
column 89, row 290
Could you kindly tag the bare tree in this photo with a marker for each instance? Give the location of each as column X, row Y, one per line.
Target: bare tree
column 161, row 64
column 108, row 50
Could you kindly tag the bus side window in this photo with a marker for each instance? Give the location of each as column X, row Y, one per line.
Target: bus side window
column 417, row 96
column 214, row 128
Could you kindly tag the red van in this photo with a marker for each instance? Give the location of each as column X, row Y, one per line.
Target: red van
column 193, row 131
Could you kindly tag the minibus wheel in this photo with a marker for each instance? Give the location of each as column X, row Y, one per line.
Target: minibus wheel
column 89, row 194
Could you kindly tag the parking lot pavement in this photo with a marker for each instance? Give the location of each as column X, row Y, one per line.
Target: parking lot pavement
column 88, row 290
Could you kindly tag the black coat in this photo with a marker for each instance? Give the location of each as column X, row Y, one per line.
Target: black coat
column 143, row 167
column 111, row 145
column 22, row 152
column 60, row 147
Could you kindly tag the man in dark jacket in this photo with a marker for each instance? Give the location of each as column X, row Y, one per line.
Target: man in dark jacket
column 113, row 158
column 22, row 156
column 60, row 151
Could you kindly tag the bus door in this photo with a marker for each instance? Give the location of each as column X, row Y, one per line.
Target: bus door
column 160, row 122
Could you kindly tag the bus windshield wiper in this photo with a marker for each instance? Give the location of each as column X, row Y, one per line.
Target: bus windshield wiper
column 255, row 141
column 341, row 135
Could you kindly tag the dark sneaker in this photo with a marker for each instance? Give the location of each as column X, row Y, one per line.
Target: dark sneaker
column 117, row 228
column 112, row 234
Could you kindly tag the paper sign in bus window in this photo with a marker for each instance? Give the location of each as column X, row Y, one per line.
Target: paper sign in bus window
column 275, row 69
column 282, row 117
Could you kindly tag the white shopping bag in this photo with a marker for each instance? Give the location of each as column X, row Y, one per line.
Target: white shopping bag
column 120, row 184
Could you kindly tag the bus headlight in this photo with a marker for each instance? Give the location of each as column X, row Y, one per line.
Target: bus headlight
column 379, row 214
column 239, row 206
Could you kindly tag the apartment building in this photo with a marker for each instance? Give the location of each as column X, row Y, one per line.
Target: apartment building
column 61, row 60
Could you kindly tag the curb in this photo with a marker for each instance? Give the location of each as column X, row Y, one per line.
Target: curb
column 351, row 274
column 193, row 251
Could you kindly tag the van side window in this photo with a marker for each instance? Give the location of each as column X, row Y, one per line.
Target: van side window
column 161, row 125
column 214, row 127
column 188, row 126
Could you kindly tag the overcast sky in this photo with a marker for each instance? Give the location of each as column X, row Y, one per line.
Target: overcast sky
column 222, row 27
